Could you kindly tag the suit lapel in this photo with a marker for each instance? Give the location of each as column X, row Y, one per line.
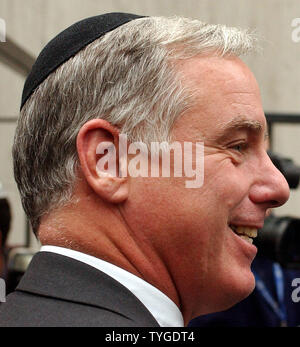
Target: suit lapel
column 64, row 278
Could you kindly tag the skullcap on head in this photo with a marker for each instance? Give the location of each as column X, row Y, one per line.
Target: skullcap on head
column 68, row 43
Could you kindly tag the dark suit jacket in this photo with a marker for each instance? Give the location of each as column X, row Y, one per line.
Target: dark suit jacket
column 60, row 291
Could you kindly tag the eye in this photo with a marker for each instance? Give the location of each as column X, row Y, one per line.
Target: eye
column 240, row 147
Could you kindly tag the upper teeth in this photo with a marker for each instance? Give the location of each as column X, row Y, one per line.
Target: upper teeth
column 251, row 232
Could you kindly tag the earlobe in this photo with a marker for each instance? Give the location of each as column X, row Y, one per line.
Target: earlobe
column 97, row 143
column 113, row 189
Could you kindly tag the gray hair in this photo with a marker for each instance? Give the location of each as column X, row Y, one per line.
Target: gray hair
column 127, row 77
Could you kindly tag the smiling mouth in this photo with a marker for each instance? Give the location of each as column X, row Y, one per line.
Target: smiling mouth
column 246, row 233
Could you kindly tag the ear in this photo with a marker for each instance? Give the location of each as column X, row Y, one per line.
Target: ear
column 97, row 148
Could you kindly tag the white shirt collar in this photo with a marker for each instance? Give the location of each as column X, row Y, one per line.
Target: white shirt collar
column 162, row 308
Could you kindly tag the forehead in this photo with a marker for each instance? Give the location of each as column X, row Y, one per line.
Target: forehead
column 224, row 94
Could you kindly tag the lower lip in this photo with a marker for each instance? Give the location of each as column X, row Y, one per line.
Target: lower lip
column 249, row 249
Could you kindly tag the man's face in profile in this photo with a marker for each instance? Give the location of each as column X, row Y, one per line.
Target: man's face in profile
column 191, row 229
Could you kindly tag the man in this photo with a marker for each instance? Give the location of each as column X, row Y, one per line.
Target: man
column 124, row 249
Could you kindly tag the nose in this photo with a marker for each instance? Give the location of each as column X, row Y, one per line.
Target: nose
column 271, row 188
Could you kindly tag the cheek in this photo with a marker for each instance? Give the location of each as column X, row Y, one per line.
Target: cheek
column 225, row 184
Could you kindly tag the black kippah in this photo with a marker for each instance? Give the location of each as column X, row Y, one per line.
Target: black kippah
column 68, row 43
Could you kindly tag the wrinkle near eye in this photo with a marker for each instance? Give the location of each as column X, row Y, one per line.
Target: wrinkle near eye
column 221, row 153
column 210, row 149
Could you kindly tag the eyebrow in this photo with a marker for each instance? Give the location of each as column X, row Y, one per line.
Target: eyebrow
column 240, row 123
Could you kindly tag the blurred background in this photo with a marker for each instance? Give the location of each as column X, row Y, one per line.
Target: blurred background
column 27, row 25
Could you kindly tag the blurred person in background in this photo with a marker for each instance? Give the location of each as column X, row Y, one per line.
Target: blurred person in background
column 5, row 221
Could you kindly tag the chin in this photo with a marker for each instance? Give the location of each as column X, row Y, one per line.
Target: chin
column 237, row 290
column 226, row 296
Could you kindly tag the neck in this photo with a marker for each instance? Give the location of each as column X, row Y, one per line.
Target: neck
column 94, row 227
